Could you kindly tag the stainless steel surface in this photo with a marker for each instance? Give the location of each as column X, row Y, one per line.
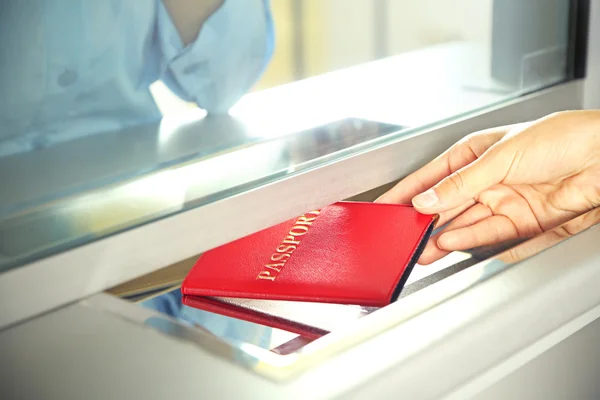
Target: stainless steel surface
column 568, row 370
column 82, row 353
column 431, row 344
column 104, row 263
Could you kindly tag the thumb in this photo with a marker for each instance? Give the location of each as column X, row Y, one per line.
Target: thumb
column 464, row 184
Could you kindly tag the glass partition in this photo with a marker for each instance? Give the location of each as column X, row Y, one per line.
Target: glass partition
column 115, row 114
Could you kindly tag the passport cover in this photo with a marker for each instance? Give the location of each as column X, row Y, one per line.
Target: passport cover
column 346, row 253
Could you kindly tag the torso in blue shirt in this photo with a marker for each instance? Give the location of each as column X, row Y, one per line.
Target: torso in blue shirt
column 70, row 68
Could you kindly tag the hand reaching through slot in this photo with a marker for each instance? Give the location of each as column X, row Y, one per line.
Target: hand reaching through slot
column 550, row 238
column 509, row 182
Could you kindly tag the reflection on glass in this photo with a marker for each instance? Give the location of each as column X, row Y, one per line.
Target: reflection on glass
column 114, row 113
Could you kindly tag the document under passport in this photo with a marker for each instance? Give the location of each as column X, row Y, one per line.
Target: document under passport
column 315, row 273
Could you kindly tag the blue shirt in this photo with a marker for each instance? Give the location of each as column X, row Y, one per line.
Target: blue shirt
column 70, row 68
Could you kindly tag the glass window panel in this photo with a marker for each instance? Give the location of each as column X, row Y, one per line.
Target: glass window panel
column 115, row 113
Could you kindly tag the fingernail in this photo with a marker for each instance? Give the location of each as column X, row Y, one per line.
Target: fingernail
column 426, row 199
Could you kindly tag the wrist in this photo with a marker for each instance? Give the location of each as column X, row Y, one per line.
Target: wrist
column 582, row 127
column 592, row 134
column 589, row 130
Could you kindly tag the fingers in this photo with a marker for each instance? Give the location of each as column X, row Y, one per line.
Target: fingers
column 475, row 214
column 458, row 156
column 433, row 251
column 455, row 212
column 491, row 230
column 464, row 184
column 417, row 182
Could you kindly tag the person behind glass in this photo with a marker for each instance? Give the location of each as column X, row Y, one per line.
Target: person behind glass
column 510, row 182
column 75, row 68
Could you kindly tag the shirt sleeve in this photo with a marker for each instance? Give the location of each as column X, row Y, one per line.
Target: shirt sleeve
column 230, row 53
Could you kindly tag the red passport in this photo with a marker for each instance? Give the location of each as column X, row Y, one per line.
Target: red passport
column 346, row 253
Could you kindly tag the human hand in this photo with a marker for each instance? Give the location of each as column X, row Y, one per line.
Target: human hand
column 550, row 238
column 508, row 182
